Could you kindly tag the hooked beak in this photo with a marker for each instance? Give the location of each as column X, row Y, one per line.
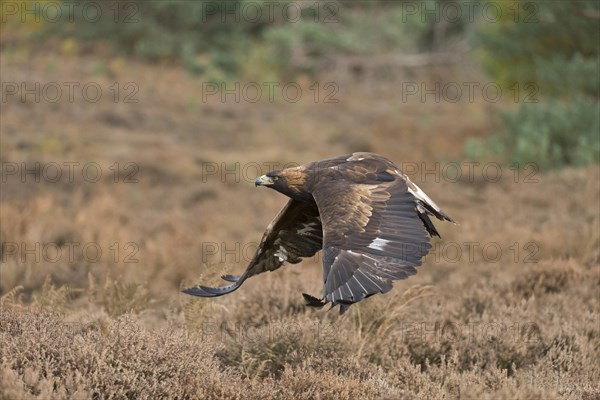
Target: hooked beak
column 263, row 181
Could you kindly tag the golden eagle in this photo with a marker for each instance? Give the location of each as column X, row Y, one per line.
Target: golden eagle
column 370, row 219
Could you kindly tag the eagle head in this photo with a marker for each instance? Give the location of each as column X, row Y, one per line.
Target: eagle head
column 289, row 181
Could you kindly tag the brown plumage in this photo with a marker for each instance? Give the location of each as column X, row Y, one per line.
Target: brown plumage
column 371, row 221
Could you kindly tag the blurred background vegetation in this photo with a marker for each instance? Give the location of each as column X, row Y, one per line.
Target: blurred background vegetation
column 560, row 55
column 543, row 52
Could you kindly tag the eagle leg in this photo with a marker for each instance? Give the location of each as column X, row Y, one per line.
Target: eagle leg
column 344, row 308
column 312, row 301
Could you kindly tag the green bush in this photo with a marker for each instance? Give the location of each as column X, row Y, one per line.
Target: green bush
column 217, row 38
column 556, row 134
column 166, row 30
column 552, row 135
column 553, row 47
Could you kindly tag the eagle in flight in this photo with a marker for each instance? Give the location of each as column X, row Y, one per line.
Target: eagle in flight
column 371, row 221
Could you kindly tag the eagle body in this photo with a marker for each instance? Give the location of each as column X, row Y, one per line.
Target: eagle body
column 371, row 221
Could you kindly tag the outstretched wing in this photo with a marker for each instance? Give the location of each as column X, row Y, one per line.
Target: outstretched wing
column 376, row 230
column 296, row 232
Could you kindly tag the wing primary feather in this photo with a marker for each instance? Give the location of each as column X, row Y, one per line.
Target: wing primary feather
column 230, row 278
column 361, row 285
column 197, row 291
column 279, row 244
column 429, row 225
column 372, row 281
column 351, row 294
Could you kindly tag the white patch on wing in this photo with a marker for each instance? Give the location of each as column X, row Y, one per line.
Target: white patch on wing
column 378, row 244
column 281, row 253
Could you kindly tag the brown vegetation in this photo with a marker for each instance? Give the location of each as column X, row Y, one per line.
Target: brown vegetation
column 522, row 324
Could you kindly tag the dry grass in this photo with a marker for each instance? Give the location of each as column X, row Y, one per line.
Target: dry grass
column 524, row 325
